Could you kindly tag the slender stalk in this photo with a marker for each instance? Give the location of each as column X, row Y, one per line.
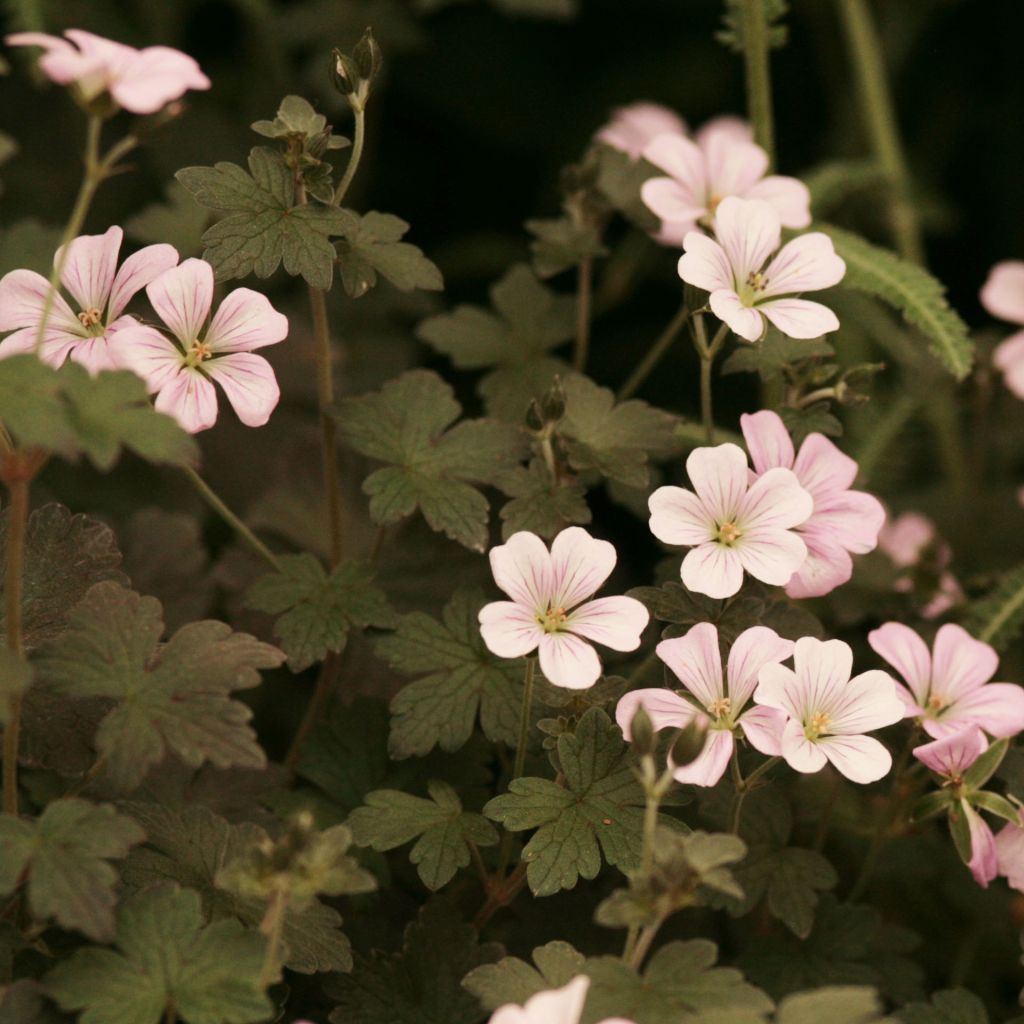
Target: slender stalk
column 879, row 115
column 654, row 354
column 272, row 926
column 520, row 759
column 758, row 76
column 478, row 863
column 707, row 355
column 358, row 140
column 317, row 703
column 584, row 293
column 215, row 502
column 13, row 573
column 745, row 785
column 644, row 942
column 501, row 896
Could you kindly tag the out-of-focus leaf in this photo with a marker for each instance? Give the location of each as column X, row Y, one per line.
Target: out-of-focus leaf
column 512, row 980
column 562, row 242
column 178, row 221
column 371, row 245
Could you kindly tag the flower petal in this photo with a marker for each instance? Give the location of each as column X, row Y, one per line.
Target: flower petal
column 95, row 354
column 22, row 298
column 750, row 652
column 767, row 440
column 1009, row 357
column 244, row 322
column 683, row 161
column 616, row 622
column 147, row 353
column 712, row 569
column 960, row 663
column 749, row 232
column 679, row 517
column 704, row 263
column 734, row 165
column 867, row 702
column 763, row 728
column 744, row 321
column 800, row 753
column 696, row 662
column 664, row 708
column 775, row 501
column 708, row 767
column 568, row 661
column 670, row 201
column 789, row 197
column 771, row 555
column 1010, row 855
column 249, row 382
column 800, row 318
column 719, row 476
column 522, row 568
column 579, row 564
column 828, row 564
column 557, row 1006
column 902, row 648
column 997, row 707
column 822, row 468
column 508, row 629
column 823, row 670
column 136, row 272
column 154, row 77
column 634, row 126
column 984, row 862
column 89, row 267
column 860, row 758
column 56, row 347
column 190, row 398
column 805, row 264
column 182, row 297
column 1003, row 291
column 778, row 687
column 953, row 754
column 854, row 518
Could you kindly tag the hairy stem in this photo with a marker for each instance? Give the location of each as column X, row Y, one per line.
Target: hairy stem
column 745, row 785
column 210, row 496
column 584, row 291
column 758, row 77
column 644, row 942
column 13, row 572
column 272, row 926
column 358, row 141
column 707, row 353
column 654, row 354
column 879, row 115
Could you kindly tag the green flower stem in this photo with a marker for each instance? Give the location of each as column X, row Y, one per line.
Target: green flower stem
column 643, row 944
column 745, row 785
column 878, row 112
column 584, row 293
column 759, row 83
column 655, row 354
column 358, row 141
column 13, row 573
column 272, row 926
column 707, row 355
column 317, row 703
column 217, row 504
column 520, row 758
column 97, row 170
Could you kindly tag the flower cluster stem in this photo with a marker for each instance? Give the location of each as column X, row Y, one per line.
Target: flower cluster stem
column 317, row 703
column 654, row 354
column 584, row 292
column 707, row 353
column 272, row 926
column 758, row 76
column 17, row 522
column 520, row 759
column 745, row 785
column 358, row 141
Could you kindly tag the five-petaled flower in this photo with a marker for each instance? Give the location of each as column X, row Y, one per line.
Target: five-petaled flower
column 182, row 374
column 634, row 126
column 721, row 161
column 101, row 290
column 843, row 520
column 948, row 688
column 549, row 609
column 723, row 700
column 142, row 81
column 732, row 524
column 828, row 712
column 1003, row 297
column 747, row 284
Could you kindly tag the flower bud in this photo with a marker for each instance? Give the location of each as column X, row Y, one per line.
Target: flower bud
column 641, row 729
column 535, row 417
column 368, row 57
column 344, row 72
column 553, row 404
column 689, row 743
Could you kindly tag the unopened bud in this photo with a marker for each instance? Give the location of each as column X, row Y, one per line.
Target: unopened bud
column 553, row 404
column 368, row 57
column 641, row 731
column 535, row 417
column 344, row 72
column 689, row 743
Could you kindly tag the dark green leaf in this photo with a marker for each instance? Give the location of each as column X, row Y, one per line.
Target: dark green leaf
column 28, row 244
column 540, row 504
column 987, row 764
column 372, row 245
column 848, row 1004
column 512, row 980
column 952, row 1006
column 772, row 355
column 35, row 412
column 562, row 242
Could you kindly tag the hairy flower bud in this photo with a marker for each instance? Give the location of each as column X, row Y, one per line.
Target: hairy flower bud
column 690, row 742
column 644, row 738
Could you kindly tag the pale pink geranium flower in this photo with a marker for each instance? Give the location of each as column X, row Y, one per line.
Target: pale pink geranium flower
column 182, row 375
column 1010, row 855
column 828, row 712
column 748, row 284
column 632, row 127
column 948, row 688
column 911, row 542
column 722, row 701
column 99, row 288
column 558, row 1006
column 721, row 161
column 843, row 522
column 1003, row 297
column 731, row 524
column 142, row 81
column 549, row 609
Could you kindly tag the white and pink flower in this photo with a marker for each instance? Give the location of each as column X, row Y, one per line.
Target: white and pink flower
column 141, row 81
column 952, row 755
column 634, row 126
column 828, row 713
column 722, row 700
column 1003, row 297
column 843, row 522
column 750, row 286
column 101, row 291
column 721, row 161
column 731, row 524
column 947, row 689
column 550, row 610
column 1010, row 855
column 182, row 375
column 558, row 1006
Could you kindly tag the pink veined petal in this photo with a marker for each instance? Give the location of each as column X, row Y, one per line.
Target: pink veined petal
column 775, row 501
column 190, row 398
column 867, row 702
column 182, row 297
column 568, row 661
column 696, row 662
column 664, row 708
column 902, row 648
column 89, row 267
column 960, row 663
column 854, row 518
column 799, row 318
column 911, row 709
column 749, row 232
column 984, row 862
column 522, row 568
column 954, row 754
column 616, row 622
column 704, row 263
column 95, row 354
column 808, row 263
column 750, row 652
column 709, row 765
column 508, row 629
column 114, row 55
column 579, row 564
column 1010, row 855
column 763, row 728
column 1009, row 357
column 822, row 468
column 997, row 707
column 678, row 517
column 634, row 126
column 771, row 555
column 57, row 344
column 61, row 62
column 1003, row 292
column 712, row 569
column 800, row 753
column 789, row 197
column 744, row 321
column 828, row 564
column 557, row 1006
column 672, row 232
column 155, row 76
column 249, row 382
column 778, row 687
column 823, row 670
column 860, row 758
column 146, row 352
column 670, row 201
column 719, row 476
column 768, row 440
column 734, row 165
column 22, row 298
column 136, row 272
column 245, row 321
column 683, row 161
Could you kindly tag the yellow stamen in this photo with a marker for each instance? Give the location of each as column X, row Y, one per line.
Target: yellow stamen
column 729, row 533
